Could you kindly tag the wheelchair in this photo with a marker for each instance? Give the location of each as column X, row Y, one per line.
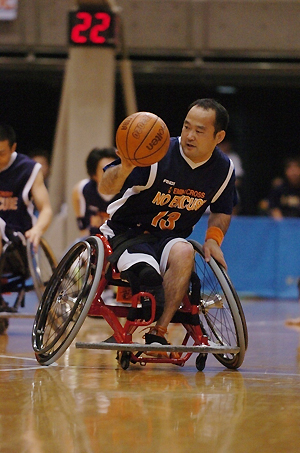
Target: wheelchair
column 211, row 313
column 23, row 270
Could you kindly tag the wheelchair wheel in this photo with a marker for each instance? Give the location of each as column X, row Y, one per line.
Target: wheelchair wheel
column 67, row 299
column 221, row 312
column 41, row 265
column 14, row 273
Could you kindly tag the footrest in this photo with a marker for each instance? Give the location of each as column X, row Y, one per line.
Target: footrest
column 9, row 314
column 211, row 348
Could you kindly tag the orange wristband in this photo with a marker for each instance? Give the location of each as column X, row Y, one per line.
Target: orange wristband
column 215, row 233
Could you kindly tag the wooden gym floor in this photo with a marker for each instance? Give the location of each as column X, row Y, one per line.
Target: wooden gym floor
column 86, row 403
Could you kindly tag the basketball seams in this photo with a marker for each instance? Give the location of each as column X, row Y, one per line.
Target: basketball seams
column 152, row 126
column 131, row 126
column 140, row 159
column 127, row 135
column 156, row 151
column 132, row 137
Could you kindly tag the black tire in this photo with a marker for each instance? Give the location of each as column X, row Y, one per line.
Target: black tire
column 13, row 260
column 124, row 359
column 41, row 265
column 201, row 361
column 4, row 323
column 67, row 299
column 220, row 309
column 14, row 272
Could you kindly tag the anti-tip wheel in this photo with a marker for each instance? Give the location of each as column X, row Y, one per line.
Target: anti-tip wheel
column 201, row 361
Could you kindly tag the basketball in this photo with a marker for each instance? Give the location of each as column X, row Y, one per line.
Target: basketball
column 143, row 138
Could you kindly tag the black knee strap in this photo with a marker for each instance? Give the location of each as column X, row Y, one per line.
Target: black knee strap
column 142, row 277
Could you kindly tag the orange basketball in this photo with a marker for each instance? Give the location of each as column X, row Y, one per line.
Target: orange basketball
column 143, row 138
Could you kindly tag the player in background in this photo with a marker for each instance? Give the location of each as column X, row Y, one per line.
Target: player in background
column 21, row 188
column 42, row 156
column 88, row 203
column 284, row 198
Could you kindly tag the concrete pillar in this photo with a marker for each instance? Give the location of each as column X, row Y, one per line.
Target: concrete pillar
column 85, row 120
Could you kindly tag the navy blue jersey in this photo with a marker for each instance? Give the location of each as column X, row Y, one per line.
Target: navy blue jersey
column 16, row 205
column 91, row 204
column 286, row 198
column 168, row 198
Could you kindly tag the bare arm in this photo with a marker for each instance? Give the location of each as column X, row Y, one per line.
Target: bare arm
column 42, row 202
column 211, row 248
column 114, row 177
column 221, row 221
column 76, row 208
column 76, row 201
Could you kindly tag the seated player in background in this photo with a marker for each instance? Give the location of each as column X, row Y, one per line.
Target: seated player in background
column 88, row 203
column 148, row 235
column 284, row 198
column 21, row 188
column 284, row 201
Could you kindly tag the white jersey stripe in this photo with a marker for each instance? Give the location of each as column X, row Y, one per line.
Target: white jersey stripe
column 223, row 186
column 28, row 185
column 26, row 190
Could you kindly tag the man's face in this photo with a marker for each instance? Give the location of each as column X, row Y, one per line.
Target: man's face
column 198, row 139
column 5, row 153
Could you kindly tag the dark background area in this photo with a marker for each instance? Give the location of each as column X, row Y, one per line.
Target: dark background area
column 264, row 120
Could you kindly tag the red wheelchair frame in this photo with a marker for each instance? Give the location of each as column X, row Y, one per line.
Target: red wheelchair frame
column 123, row 333
column 50, row 342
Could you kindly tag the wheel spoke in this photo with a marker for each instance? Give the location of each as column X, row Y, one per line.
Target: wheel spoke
column 220, row 309
column 67, row 299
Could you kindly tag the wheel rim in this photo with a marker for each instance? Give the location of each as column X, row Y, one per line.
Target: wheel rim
column 216, row 314
column 41, row 265
column 67, row 294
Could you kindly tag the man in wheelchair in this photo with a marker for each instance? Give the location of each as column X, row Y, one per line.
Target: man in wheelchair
column 157, row 207
column 22, row 189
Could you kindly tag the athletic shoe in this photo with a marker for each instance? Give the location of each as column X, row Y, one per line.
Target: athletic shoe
column 157, row 338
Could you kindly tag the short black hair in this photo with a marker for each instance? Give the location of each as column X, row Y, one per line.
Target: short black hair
column 7, row 133
column 95, row 155
column 222, row 116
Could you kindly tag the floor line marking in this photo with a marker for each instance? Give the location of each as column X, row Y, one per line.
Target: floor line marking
column 22, row 369
column 3, row 356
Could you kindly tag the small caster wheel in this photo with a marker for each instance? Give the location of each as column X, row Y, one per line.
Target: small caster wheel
column 124, row 359
column 200, row 361
column 4, row 323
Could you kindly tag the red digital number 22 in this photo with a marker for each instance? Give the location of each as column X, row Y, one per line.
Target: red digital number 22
column 95, row 31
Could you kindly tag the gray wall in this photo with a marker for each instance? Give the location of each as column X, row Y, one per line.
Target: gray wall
column 168, row 27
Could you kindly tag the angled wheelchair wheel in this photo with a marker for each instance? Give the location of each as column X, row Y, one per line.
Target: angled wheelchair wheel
column 221, row 312
column 41, row 265
column 67, row 299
